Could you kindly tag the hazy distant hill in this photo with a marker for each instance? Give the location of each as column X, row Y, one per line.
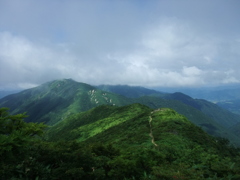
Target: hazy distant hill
column 222, row 94
column 54, row 101
column 5, row 93
column 214, row 94
column 231, row 105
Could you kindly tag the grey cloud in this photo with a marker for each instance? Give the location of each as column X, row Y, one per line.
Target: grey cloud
column 148, row 43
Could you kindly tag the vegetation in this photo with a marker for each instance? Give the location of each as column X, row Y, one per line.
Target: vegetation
column 130, row 91
column 108, row 142
column 16, row 137
column 55, row 101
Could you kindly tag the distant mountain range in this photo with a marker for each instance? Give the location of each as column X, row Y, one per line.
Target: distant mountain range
column 226, row 97
column 214, row 94
column 5, row 93
column 232, row 105
column 55, row 101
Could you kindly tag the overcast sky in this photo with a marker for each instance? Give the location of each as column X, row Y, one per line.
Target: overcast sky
column 157, row 43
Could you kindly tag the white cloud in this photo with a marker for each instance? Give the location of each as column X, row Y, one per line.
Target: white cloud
column 25, row 62
column 191, row 71
column 26, row 85
column 155, row 43
column 172, row 54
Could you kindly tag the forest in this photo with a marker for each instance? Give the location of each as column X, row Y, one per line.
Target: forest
column 138, row 143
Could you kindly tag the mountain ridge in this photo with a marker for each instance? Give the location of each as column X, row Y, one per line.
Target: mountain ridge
column 57, row 96
column 110, row 142
column 56, row 100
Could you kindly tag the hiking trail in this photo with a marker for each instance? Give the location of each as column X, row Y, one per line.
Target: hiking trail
column 150, row 125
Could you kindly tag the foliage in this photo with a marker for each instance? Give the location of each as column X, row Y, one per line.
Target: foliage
column 16, row 137
column 132, row 142
column 130, row 91
column 58, row 100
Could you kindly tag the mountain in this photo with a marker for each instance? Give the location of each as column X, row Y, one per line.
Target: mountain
column 222, row 116
column 85, row 125
column 5, row 93
column 55, row 101
column 213, row 94
column 236, row 129
column 227, row 97
column 231, row 105
column 130, row 91
column 213, row 119
column 208, row 115
column 162, row 138
column 133, row 124
column 210, row 109
column 110, row 142
column 220, row 94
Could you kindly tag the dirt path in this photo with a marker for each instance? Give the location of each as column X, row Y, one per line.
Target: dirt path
column 150, row 134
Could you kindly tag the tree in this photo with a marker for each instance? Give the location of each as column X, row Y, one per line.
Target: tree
column 16, row 137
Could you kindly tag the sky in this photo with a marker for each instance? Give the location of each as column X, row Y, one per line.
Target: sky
column 157, row 43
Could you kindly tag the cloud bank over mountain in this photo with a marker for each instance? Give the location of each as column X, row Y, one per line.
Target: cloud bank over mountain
column 147, row 43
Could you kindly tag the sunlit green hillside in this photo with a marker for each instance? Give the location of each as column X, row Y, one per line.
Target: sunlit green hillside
column 55, row 101
column 161, row 143
column 109, row 142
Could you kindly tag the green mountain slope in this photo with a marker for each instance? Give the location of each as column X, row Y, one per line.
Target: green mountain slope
column 194, row 115
column 212, row 118
column 88, row 124
column 54, row 101
column 222, row 116
column 130, row 91
column 219, row 115
column 109, row 142
column 236, row 129
column 133, row 124
column 161, row 138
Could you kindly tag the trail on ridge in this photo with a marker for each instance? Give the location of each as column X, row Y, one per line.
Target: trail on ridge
column 150, row 125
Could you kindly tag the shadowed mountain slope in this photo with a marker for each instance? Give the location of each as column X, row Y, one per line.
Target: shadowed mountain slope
column 130, row 91
column 53, row 101
column 222, row 116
